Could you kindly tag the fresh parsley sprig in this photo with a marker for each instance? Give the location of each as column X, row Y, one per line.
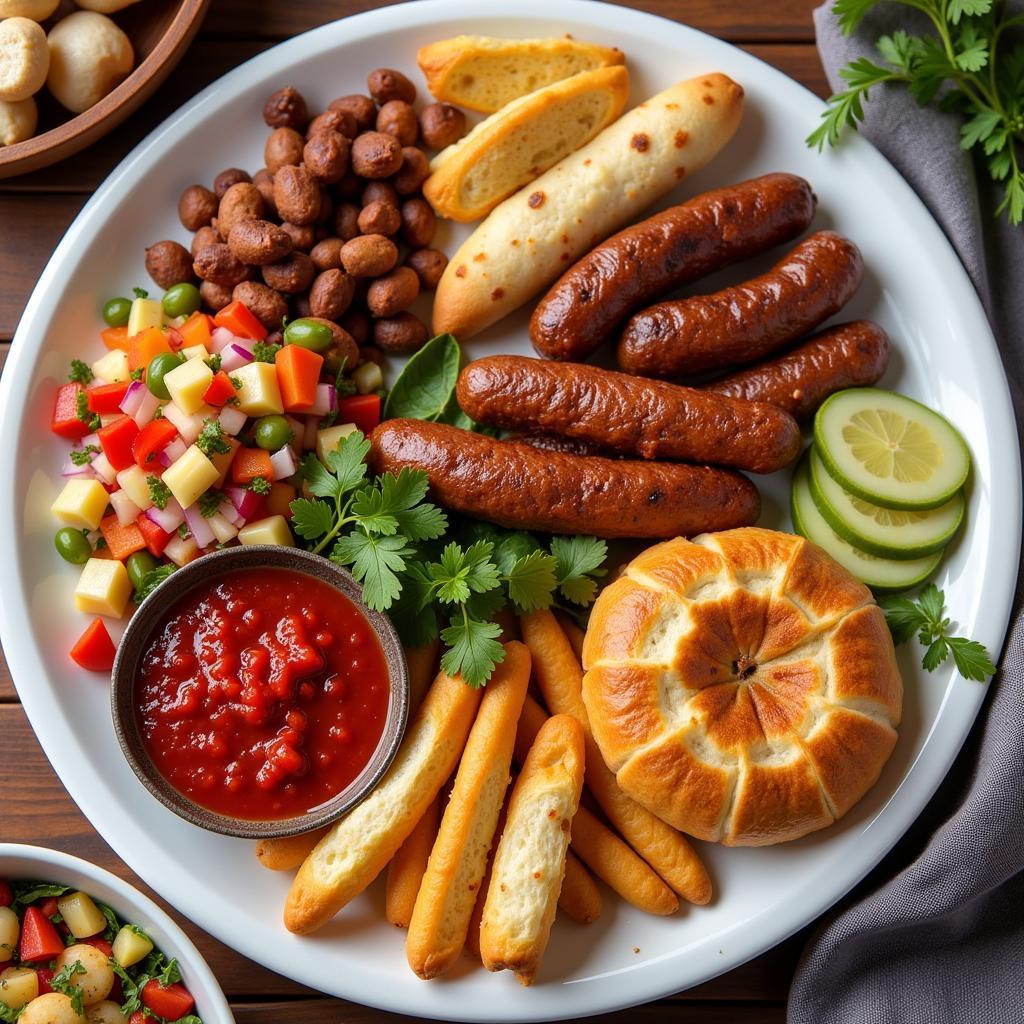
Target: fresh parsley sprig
column 926, row 618
column 63, row 981
column 969, row 65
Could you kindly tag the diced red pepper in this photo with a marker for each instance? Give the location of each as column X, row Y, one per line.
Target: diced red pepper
column 168, row 1001
column 117, row 439
column 220, row 389
column 362, row 410
column 156, row 539
column 101, row 944
column 106, row 398
column 240, row 322
column 65, row 419
column 49, row 905
column 298, row 371
column 152, row 439
column 175, row 339
column 94, row 651
column 6, row 893
column 39, row 939
column 45, row 976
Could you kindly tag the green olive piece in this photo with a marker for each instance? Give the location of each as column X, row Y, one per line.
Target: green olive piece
column 72, row 545
column 272, row 433
column 308, row 334
column 181, row 299
column 159, row 366
column 138, row 565
column 116, row 311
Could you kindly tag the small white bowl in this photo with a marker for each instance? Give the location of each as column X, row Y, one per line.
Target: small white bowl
column 38, row 864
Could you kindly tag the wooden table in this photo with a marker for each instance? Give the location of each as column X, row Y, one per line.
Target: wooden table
column 35, row 212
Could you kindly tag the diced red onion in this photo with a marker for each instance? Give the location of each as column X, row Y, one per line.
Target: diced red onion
column 220, row 339
column 133, row 397
column 188, row 426
column 163, row 460
column 222, row 529
column 235, row 355
column 198, row 526
column 147, row 408
column 126, row 509
column 176, row 449
column 297, row 429
column 326, row 400
column 103, row 469
column 284, row 463
column 169, row 518
column 230, row 513
column 232, row 419
column 244, row 501
column 70, row 469
column 309, row 434
column 90, row 439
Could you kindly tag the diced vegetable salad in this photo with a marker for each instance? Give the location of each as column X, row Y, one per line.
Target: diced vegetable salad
column 186, row 436
column 65, row 957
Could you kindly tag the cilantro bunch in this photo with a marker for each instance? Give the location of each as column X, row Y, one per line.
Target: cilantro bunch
column 394, row 542
column 968, row 66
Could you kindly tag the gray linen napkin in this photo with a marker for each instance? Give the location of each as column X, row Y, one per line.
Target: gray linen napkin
column 936, row 933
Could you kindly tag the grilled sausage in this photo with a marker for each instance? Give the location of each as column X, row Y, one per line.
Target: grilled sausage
column 649, row 418
column 738, row 325
column 682, row 244
column 552, row 443
column 844, row 356
column 521, row 487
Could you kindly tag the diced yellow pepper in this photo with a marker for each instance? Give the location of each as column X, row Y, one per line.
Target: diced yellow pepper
column 186, row 384
column 327, row 439
column 190, row 475
column 133, row 482
column 81, row 503
column 103, row 588
column 144, row 313
column 113, row 367
column 194, row 352
column 130, row 947
column 259, row 394
column 272, row 530
column 222, row 460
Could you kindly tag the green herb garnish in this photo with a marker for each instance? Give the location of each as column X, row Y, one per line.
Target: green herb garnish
column 213, row 362
column 265, row 353
column 159, row 492
column 424, row 388
column 83, row 456
column 83, row 413
column 140, row 293
column 210, row 503
column 211, row 440
column 80, row 372
column 63, row 982
column 259, row 485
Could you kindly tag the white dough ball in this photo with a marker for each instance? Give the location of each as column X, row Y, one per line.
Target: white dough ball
column 52, row 1008
column 17, row 121
column 105, row 6
column 89, row 56
column 37, row 10
column 24, row 59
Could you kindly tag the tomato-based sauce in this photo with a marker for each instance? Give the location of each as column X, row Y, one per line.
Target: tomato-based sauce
column 263, row 693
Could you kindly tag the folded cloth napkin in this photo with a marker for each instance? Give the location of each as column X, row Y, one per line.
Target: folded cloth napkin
column 936, row 933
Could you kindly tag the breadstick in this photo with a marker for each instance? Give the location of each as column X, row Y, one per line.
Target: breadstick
column 473, row 932
column 356, row 849
column 422, row 662
column 288, row 853
column 580, row 897
column 612, row 860
column 440, row 918
column 560, row 678
column 405, row 872
column 573, row 633
column 529, row 863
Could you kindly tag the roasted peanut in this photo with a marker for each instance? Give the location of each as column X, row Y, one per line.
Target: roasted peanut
column 358, row 323
column 379, row 191
column 217, row 263
column 326, row 254
column 419, row 223
column 300, row 306
column 266, row 304
column 369, row 255
column 386, row 84
column 241, row 202
column 404, row 332
column 350, row 185
column 283, row 147
column 331, row 294
column 369, row 354
column 362, row 109
column 397, row 118
column 291, row 275
column 224, row 180
column 258, row 242
column 196, row 207
column 340, row 121
column 393, row 292
column 429, row 265
column 214, row 296
column 286, row 108
column 296, row 194
column 379, row 218
column 264, row 181
column 326, row 156
column 203, row 237
column 303, row 236
column 414, row 171
column 345, row 221
column 376, row 155
column 442, row 124
column 169, row 263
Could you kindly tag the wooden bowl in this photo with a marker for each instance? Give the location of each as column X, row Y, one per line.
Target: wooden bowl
column 135, row 642
column 160, row 31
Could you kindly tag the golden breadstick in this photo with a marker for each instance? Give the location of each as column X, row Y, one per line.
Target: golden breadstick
column 580, row 897
column 560, row 678
column 358, row 847
column 422, row 662
column 572, row 632
column 612, row 860
column 444, row 904
column 529, row 863
column 288, row 853
column 405, row 872
column 473, row 932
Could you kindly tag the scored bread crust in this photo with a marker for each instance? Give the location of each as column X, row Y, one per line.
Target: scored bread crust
column 358, row 847
column 529, row 864
column 522, row 140
column 484, row 73
column 535, row 235
column 742, row 686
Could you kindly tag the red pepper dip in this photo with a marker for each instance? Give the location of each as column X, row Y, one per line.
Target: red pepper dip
column 263, row 693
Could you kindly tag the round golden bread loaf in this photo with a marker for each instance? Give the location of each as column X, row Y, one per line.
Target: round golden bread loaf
column 742, row 686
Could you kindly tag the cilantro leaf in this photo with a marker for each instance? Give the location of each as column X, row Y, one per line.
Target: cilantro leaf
column 579, row 565
column 113, row 925
column 957, row 9
column 375, row 562
column 903, row 616
column 971, row 659
column 311, row 518
column 473, row 650
column 211, row 440
column 159, row 492
column 348, row 461
column 531, row 580
column 28, row 892
column 63, row 981
column 151, row 581
column 318, row 478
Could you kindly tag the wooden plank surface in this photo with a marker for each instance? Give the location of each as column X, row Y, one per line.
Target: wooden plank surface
column 36, row 210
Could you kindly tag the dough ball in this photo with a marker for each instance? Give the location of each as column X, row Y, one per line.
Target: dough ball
column 105, row 6
column 17, row 121
column 37, row 10
column 24, row 58
column 89, row 56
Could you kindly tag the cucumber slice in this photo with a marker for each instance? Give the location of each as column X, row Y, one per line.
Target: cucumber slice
column 886, row 532
column 889, row 449
column 883, row 574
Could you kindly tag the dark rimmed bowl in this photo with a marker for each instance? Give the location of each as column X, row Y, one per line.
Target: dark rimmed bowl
column 133, row 647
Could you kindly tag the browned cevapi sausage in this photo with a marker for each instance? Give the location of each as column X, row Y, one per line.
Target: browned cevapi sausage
column 847, row 355
column 526, row 488
column 586, row 306
column 748, row 321
column 652, row 419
